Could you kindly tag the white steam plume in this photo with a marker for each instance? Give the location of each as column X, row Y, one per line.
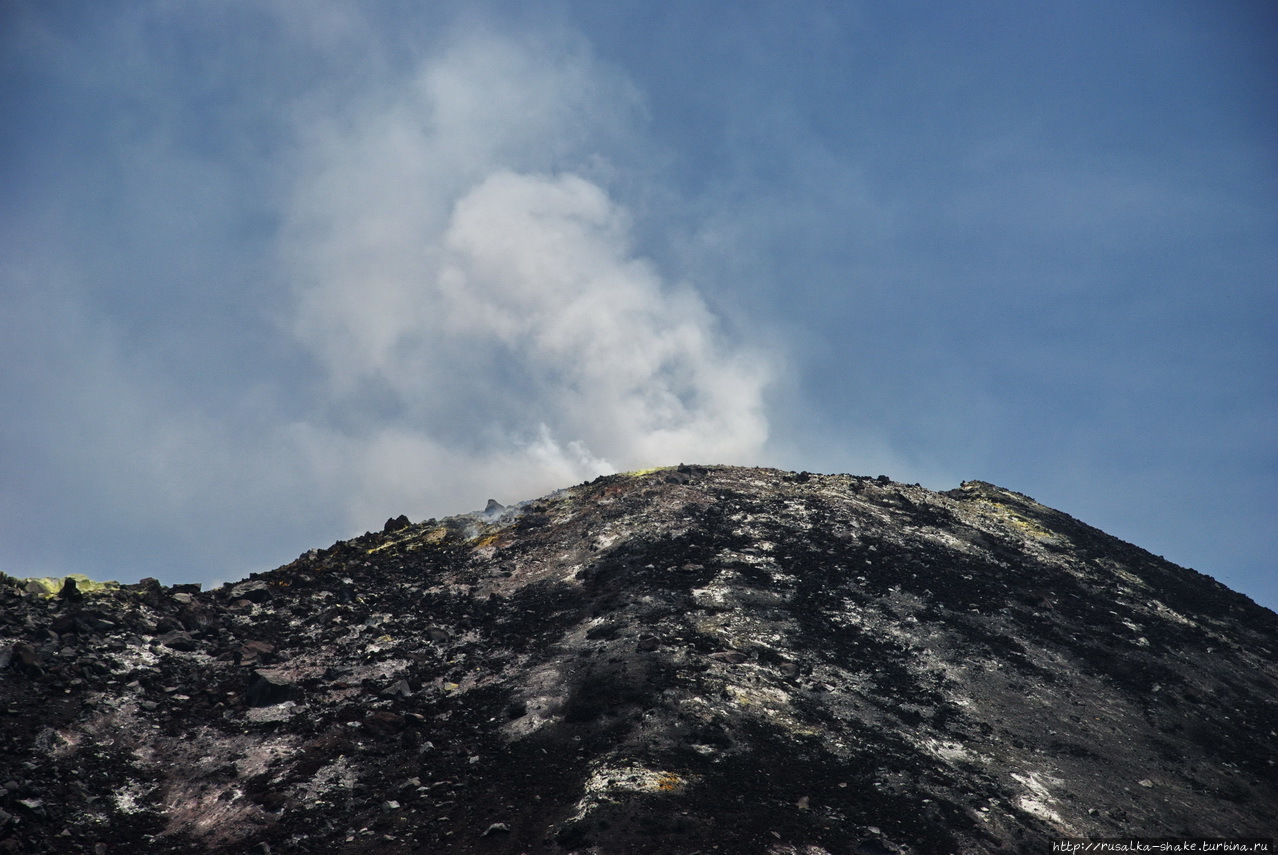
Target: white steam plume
column 469, row 287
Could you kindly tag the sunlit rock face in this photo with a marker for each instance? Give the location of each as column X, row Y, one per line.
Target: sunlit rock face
column 687, row 660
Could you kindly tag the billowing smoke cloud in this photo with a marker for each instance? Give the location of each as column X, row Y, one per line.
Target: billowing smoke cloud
column 469, row 288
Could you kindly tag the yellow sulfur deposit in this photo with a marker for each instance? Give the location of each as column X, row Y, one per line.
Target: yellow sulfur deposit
column 51, row 585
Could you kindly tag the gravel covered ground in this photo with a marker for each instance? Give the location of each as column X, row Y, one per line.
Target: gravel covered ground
column 687, row 660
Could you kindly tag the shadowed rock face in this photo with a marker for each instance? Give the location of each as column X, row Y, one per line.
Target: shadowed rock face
column 686, row 660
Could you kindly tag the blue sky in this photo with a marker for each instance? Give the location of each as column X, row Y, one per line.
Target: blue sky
column 273, row 272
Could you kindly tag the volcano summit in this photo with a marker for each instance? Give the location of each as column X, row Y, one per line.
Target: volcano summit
column 685, row 660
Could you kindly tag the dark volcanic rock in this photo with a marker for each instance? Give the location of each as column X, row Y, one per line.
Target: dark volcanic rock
column 269, row 689
column 690, row 660
column 70, row 591
column 255, row 591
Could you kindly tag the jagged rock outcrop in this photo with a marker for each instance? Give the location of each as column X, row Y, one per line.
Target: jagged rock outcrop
column 693, row 659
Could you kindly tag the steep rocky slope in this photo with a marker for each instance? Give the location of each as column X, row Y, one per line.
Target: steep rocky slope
column 695, row 659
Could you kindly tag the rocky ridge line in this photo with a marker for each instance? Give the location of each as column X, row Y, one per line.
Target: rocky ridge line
column 663, row 662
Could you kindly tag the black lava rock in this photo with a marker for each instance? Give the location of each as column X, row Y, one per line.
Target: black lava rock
column 691, row 660
column 269, row 689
